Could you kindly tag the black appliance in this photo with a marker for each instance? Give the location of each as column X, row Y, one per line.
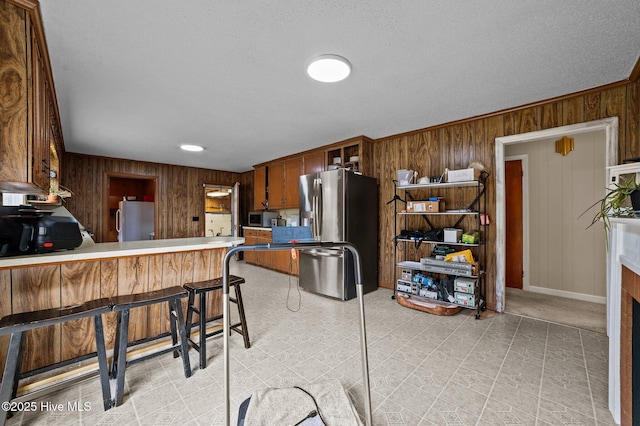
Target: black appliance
column 26, row 230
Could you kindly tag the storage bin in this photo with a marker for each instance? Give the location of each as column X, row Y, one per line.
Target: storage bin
column 452, row 235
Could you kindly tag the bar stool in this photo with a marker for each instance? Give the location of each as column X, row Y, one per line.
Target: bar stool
column 202, row 288
column 122, row 305
column 18, row 324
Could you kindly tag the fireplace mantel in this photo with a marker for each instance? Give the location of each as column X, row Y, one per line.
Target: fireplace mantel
column 624, row 250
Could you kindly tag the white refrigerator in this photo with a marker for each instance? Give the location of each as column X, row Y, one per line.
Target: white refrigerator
column 135, row 221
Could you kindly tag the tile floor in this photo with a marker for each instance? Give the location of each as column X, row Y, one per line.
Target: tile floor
column 424, row 369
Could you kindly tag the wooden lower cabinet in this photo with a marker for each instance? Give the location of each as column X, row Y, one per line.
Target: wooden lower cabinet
column 276, row 260
column 51, row 286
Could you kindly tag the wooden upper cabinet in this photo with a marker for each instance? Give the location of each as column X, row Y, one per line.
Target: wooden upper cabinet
column 14, row 137
column 275, row 185
column 259, row 187
column 284, row 181
column 313, row 162
column 29, row 109
column 41, row 164
column 292, row 171
column 355, row 154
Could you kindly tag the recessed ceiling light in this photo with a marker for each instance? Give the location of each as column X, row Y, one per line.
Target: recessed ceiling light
column 192, row 148
column 329, row 68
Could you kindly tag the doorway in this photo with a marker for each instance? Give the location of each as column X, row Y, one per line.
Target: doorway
column 517, row 228
column 119, row 187
column 608, row 127
column 221, row 210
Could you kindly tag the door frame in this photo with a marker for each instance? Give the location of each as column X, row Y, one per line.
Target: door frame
column 524, row 158
column 106, row 181
column 610, row 127
column 234, row 208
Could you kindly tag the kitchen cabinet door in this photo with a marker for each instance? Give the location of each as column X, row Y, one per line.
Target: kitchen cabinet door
column 284, row 183
column 291, row 189
column 264, row 258
column 313, row 163
column 282, row 262
column 29, row 109
column 259, row 187
column 40, row 164
column 250, row 238
column 13, row 86
column 275, row 183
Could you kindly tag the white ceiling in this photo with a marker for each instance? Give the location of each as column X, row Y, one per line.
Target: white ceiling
column 135, row 79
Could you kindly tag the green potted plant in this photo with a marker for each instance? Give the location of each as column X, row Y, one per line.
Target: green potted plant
column 615, row 204
column 53, row 192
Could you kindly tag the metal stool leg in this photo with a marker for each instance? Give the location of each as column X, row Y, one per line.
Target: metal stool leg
column 11, row 372
column 176, row 306
column 120, row 357
column 202, row 339
column 243, row 319
column 102, row 362
column 190, row 306
column 174, row 332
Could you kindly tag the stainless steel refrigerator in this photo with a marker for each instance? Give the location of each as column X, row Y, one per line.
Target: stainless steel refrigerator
column 135, row 221
column 339, row 205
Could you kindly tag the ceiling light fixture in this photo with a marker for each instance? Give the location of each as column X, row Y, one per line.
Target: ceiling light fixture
column 218, row 193
column 329, row 68
column 191, row 148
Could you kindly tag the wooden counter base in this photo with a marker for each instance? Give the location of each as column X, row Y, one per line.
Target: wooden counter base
column 28, row 288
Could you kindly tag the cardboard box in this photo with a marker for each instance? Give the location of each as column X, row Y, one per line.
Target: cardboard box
column 425, row 206
column 435, row 206
column 417, row 206
column 464, row 285
column 462, row 175
column 452, row 235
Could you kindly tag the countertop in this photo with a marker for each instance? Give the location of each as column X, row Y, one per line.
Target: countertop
column 257, row 228
column 131, row 248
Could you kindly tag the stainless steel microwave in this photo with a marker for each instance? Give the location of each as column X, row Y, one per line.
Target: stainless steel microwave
column 262, row 219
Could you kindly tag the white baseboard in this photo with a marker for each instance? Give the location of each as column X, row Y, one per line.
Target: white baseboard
column 568, row 294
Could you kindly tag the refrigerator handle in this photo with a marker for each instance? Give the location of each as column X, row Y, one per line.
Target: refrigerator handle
column 317, row 212
column 118, row 220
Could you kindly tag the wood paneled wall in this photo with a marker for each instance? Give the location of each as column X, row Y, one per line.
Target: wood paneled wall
column 180, row 192
column 454, row 145
column 429, row 151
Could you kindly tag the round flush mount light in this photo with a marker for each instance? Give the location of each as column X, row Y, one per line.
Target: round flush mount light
column 329, row 68
column 191, row 148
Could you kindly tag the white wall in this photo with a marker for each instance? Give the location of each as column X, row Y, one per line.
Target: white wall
column 564, row 256
column 215, row 221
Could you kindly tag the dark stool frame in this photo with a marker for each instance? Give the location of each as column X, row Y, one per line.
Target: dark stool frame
column 122, row 305
column 202, row 288
column 18, row 324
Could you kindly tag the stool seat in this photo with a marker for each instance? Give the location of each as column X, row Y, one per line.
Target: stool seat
column 129, row 301
column 201, row 288
column 122, row 306
column 18, row 324
column 29, row 320
column 215, row 284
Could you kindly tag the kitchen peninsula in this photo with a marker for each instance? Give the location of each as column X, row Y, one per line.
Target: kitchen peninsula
column 102, row 270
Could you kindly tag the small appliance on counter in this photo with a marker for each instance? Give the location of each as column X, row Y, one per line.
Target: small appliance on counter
column 262, row 218
column 27, row 230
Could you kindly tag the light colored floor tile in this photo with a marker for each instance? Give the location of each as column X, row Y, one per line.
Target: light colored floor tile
column 424, row 369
